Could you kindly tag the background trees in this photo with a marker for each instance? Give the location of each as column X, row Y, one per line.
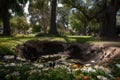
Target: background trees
column 7, row 8
column 19, row 25
column 39, row 12
column 102, row 10
column 107, row 18
column 89, row 14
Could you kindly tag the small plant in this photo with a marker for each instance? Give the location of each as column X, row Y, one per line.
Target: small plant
column 5, row 50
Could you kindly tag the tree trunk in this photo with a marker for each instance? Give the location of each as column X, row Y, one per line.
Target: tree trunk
column 108, row 22
column 5, row 19
column 53, row 28
column 84, row 29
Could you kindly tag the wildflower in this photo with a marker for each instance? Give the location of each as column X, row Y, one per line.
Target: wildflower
column 81, row 75
column 118, row 65
column 87, row 64
column 15, row 73
column 101, row 67
column 75, row 65
column 20, row 65
column 85, row 77
column 87, row 69
column 32, row 72
column 9, row 57
column 75, row 69
column 38, row 65
column 106, row 70
column 101, row 77
column 96, row 66
column 6, row 65
column 93, row 61
column 12, row 64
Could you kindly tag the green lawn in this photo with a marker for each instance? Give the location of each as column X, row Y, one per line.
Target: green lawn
column 9, row 43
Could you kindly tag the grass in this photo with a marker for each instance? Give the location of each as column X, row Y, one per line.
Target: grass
column 7, row 44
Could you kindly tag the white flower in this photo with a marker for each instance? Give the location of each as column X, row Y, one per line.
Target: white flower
column 33, row 71
column 87, row 64
column 93, row 61
column 38, row 65
column 96, row 66
column 75, row 69
column 6, row 65
column 106, row 70
column 21, row 59
column 20, row 65
column 118, row 65
column 87, row 69
column 15, row 73
column 104, row 78
column 101, row 77
column 12, row 64
column 9, row 57
column 101, row 67
column 93, row 70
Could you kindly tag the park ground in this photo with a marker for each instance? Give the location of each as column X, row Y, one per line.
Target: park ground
column 22, row 70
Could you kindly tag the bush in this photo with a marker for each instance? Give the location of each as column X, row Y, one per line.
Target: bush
column 36, row 28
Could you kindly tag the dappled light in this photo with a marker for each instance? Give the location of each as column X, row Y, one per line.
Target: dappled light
column 59, row 39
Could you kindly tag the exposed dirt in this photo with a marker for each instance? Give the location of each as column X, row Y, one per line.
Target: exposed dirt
column 98, row 52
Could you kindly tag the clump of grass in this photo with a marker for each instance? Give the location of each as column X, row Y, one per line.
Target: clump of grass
column 5, row 51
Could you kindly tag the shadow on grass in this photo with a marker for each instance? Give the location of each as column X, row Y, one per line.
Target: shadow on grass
column 80, row 39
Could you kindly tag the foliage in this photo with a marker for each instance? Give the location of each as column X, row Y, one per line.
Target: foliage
column 4, row 50
column 19, row 25
column 40, row 13
column 7, row 9
column 75, row 24
column 36, row 28
column 69, row 71
column 115, row 65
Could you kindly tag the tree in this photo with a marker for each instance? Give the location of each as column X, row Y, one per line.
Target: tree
column 19, row 25
column 5, row 8
column 103, row 10
column 107, row 19
column 53, row 28
column 75, row 23
column 39, row 11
